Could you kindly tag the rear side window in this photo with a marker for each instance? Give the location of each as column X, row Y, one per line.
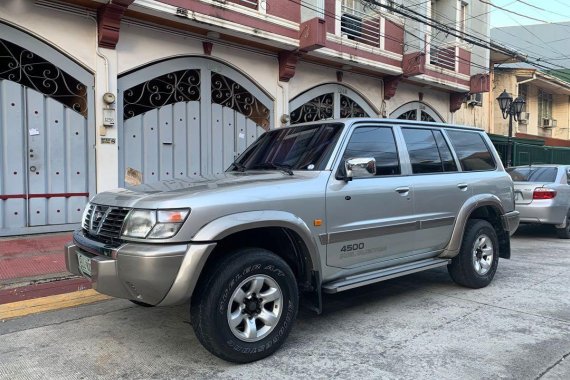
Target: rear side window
column 536, row 174
column 471, row 150
column 377, row 142
column 428, row 151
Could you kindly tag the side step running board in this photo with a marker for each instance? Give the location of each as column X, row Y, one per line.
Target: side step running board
column 382, row 275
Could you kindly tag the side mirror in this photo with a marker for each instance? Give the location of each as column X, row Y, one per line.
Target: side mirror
column 359, row 168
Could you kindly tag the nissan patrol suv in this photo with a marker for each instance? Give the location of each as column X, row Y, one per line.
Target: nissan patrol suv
column 315, row 208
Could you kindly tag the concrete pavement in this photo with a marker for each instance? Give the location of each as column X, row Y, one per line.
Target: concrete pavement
column 421, row 326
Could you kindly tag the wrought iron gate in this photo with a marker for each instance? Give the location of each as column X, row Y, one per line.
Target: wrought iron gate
column 46, row 174
column 328, row 101
column 417, row 111
column 192, row 118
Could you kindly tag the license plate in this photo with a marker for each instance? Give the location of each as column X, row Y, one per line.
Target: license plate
column 84, row 264
column 518, row 197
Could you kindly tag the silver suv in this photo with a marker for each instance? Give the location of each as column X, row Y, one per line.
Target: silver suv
column 319, row 207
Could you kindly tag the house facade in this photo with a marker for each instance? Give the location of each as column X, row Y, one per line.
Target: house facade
column 546, row 113
column 94, row 93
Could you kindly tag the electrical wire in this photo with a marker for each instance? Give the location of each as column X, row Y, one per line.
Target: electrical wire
column 467, row 37
column 451, row 31
column 542, row 9
column 513, row 12
column 335, row 17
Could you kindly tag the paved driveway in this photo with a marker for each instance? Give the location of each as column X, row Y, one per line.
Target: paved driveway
column 418, row 327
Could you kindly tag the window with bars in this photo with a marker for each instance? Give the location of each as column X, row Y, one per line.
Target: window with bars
column 463, row 19
column 523, row 93
column 544, row 106
column 254, row 4
column 360, row 22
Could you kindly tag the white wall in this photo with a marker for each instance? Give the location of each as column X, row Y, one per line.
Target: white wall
column 72, row 34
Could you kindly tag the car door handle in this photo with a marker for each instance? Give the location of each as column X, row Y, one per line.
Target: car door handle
column 462, row 186
column 403, row 190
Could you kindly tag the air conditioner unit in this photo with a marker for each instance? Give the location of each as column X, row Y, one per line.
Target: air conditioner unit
column 351, row 26
column 548, row 123
column 475, row 99
column 524, row 117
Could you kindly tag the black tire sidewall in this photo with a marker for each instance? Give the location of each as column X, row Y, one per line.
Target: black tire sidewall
column 462, row 268
column 564, row 233
column 243, row 265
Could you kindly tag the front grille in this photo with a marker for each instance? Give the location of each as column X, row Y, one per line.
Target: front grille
column 105, row 221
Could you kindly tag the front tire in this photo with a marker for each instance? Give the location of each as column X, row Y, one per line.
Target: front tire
column 477, row 261
column 245, row 308
column 142, row 304
column 564, row 232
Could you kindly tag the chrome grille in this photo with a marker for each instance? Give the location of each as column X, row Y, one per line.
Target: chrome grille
column 107, row 221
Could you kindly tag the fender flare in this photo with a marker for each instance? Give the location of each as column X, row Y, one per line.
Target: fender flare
column 454, row 245
column 227, row 225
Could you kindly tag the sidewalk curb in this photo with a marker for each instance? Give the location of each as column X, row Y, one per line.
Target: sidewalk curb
column 51, row 303
column 43, row 289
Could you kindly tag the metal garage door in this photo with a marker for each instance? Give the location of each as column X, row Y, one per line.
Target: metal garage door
column 192, row 118
column 45, row 165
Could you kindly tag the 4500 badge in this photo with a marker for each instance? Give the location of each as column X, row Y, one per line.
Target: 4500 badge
column 352, row 247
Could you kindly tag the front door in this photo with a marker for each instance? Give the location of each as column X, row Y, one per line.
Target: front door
column 370, row 219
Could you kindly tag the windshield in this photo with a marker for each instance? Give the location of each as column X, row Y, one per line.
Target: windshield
column 530, row 174
column 305, row 147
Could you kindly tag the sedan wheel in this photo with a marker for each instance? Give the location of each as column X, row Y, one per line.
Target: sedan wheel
column 564, row 232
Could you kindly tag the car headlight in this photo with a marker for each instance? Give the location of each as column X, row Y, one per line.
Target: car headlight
column 84, row 216
column 154, row 224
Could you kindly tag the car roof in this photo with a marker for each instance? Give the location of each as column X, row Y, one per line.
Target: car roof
column 357, row 120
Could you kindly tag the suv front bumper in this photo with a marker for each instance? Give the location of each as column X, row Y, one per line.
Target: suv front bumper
column 156, row 274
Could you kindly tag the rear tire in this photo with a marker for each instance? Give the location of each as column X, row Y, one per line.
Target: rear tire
column 478, row 258
column 564, row 232
column 246, row 306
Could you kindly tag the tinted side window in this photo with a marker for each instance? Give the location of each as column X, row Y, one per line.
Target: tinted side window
column 533, row 174
column 423, row 151
column 447, row 160
column 377, row 142
column 472, row 151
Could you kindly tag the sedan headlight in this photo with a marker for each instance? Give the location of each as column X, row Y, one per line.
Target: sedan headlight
column 153, row 224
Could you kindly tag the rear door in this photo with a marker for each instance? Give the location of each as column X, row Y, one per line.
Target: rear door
column 440, row 188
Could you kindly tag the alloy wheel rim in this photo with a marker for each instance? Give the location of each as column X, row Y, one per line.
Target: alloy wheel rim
column 483, row 253
column 255, row 307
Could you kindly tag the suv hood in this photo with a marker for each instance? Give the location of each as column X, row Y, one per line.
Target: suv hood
column 178, row 192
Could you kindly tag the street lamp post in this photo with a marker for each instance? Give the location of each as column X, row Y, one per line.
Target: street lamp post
column 511, row 109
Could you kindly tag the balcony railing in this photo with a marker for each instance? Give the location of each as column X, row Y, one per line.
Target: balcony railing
column 246, row 3
column 444, row 56
column 360, row 27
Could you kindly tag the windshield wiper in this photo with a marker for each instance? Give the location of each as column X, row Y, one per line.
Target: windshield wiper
column 271, row 165
column 239, row 166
